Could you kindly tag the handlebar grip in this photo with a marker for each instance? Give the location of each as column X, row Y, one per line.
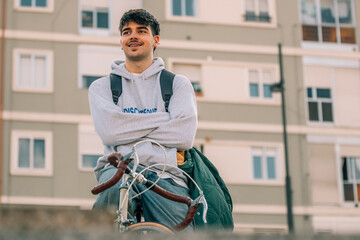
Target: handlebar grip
column 114, row 158
column 112, row 181
column 189, row 217
column 168, row 195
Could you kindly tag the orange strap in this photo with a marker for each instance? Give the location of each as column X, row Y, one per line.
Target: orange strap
column 180, row 158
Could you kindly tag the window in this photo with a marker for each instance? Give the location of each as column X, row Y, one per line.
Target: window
column 90, row 68
column 257, row 11
column 328, row 21
column 87, row 80
column 183, row 8
column 89, row 161
column 31, row 153
column 351, row 179
column 260, row 82
column 97, row 18
column 264, row 162
column 90, row 148
column 319, row 104
column 34, row 5
column 33, row 70
column 193, row 72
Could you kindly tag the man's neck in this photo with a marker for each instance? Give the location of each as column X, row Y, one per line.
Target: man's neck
column 137, row 66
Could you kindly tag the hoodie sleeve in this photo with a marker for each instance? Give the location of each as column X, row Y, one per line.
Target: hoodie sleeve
column 112, row 125
column 179, row 131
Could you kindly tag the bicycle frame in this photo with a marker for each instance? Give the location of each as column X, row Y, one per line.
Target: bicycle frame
column 122, row 218
column 127, row 175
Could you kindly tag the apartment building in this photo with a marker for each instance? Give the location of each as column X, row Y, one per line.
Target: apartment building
column 53, row 50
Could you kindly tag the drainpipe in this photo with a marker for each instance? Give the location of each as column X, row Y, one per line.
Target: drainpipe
column 2, row 76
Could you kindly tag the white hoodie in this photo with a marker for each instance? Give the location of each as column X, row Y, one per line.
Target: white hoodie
column 140, row 114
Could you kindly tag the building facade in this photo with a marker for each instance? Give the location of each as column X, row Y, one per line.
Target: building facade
column 53, row 50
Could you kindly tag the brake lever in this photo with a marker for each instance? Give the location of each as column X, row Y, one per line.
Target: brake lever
column 201, row 200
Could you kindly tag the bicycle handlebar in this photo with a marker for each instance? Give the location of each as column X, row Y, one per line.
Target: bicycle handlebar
column 121, row 163
column 114, row 159
column 192, row 207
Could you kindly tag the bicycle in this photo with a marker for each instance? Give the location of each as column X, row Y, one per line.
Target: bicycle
column 129, row 177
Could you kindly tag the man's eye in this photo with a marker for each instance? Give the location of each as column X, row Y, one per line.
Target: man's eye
column 126, row 33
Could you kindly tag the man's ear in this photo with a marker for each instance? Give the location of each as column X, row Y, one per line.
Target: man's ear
column 121, row 43
column 156, row 40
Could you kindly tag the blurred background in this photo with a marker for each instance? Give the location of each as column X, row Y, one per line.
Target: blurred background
column 52, row 50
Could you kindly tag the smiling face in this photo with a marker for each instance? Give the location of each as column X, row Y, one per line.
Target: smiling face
column 138, row 42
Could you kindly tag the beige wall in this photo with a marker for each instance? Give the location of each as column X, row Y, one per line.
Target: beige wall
column 316, row 76
column 323, row 174
column 347, row 96
column 224, row 83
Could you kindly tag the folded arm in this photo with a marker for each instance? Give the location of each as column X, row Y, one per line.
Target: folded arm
column 115, row 127
column 179, row 131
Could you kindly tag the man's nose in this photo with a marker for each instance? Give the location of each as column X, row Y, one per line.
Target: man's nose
column 133, row 35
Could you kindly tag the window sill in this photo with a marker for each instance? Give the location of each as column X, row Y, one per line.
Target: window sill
column 87, row 170
column 35, row 9
column 95, row 31
column 203, row 21
column 31, row 173
column 271, row 102
column 32, row 90
column 274, row 183
column 320, row 124
column 330, row 46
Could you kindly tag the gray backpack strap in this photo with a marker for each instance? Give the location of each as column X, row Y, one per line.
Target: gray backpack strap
column 166, row 84
column 116, row 87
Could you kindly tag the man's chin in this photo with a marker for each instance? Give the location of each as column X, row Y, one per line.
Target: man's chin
column 135, row 57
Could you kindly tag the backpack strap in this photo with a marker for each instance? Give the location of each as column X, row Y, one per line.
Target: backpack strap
column 116, row 87
column 166, row 84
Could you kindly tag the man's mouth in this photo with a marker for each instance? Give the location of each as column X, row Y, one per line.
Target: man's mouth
column 135, row 44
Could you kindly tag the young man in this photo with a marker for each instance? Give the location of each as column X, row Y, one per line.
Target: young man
column 140, row 114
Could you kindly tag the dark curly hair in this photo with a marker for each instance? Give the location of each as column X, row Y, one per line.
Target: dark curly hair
column 140, row 16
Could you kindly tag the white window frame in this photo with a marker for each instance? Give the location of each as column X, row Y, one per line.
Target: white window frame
column 194, row 81
column 96, row 148
column 47, row 136
column 95, row 30
column 183, row 9
column 319, row 101
column 242, row 150
column 17, row 52
column 271, row 12
column 274, row 101
column 257, row 10
column 319, row 24
column 265, row 152
column 261, row 83
column 48, row 9
column 353, row 182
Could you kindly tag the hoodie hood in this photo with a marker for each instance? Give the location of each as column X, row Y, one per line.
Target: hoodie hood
column 118, row 68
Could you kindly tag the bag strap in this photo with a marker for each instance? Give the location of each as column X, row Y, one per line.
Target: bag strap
column 166, row 84
column 116, row 87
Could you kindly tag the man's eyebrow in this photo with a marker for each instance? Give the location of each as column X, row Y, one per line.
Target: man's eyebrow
column 125, row 29
column 142, row 27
